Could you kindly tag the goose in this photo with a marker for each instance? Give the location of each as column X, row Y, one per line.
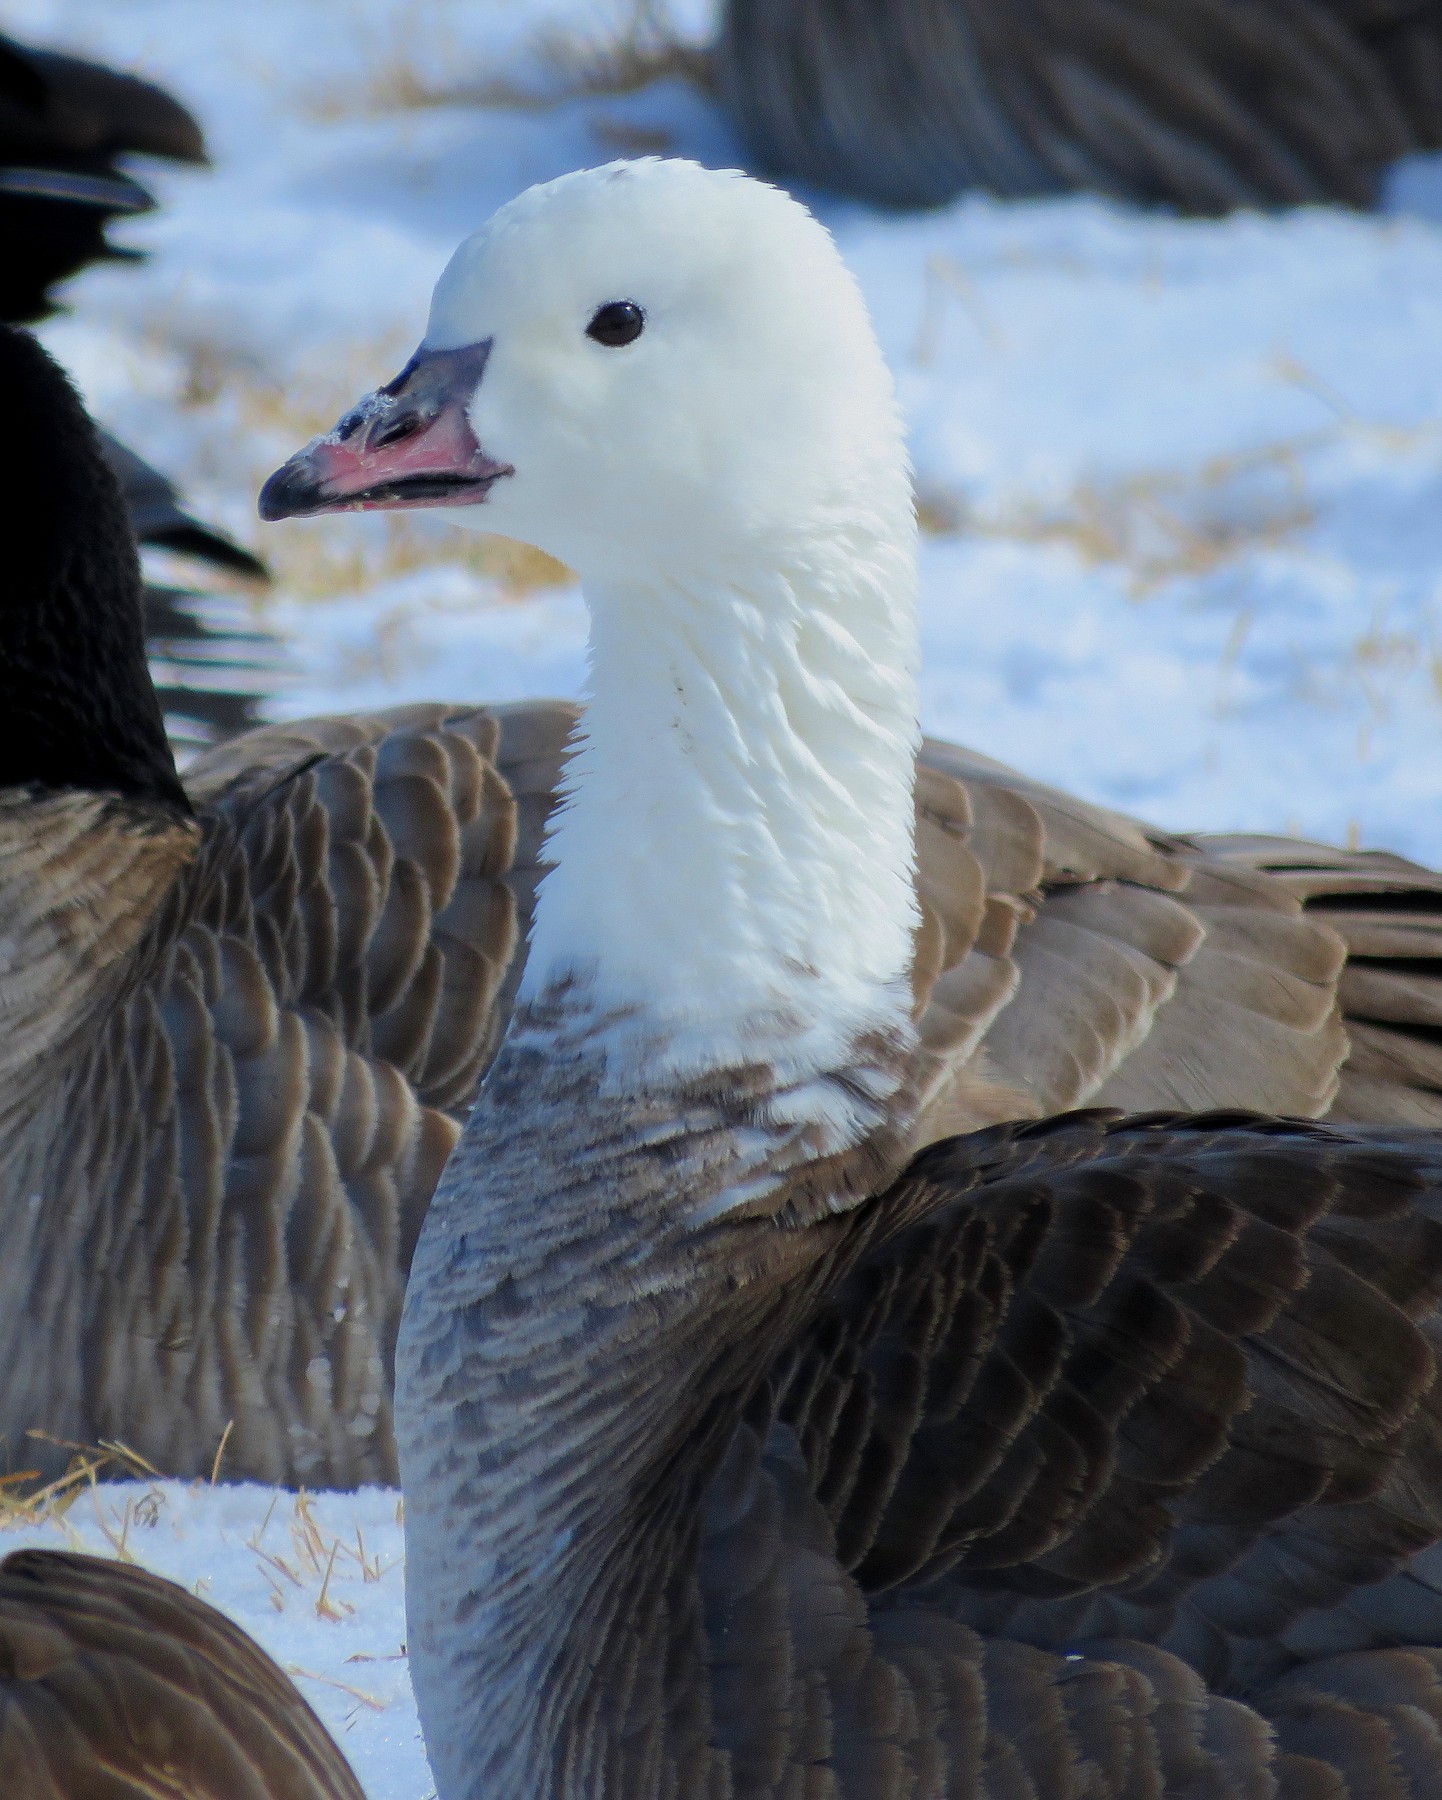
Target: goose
column 242, row 1017
column 63, row 124
column 746, row 1451
column 246, row 1013
column 1200, row 106
column 114, row 1682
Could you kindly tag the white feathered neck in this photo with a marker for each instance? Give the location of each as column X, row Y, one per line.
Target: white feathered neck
column 734, row 858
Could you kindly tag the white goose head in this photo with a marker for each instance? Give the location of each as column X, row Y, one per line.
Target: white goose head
column 666, row 376
column 633, row 365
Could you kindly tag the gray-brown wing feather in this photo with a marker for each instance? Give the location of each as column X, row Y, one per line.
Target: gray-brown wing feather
column 1100, row 1430
column 1388, row 913
column 116, row 1685
column 1140, row 970
column 238, row 1161
column 1193, row 1374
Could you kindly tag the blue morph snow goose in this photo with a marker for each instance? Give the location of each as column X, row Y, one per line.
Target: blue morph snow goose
column 746, row 1452
column 247, row 1012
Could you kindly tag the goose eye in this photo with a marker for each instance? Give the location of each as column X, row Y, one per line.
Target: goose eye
column 617, row 322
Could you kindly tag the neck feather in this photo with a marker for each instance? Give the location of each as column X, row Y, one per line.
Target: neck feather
column 734, row 857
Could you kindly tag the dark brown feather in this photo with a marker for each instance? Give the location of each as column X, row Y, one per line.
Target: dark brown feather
column 1203, row 105
column 116, row 1685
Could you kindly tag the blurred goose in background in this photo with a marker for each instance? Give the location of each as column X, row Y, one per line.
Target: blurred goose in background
column 115, row 1683
column 744, row 1450
column 1202, row 105
column 64, row 123
column 64, row 126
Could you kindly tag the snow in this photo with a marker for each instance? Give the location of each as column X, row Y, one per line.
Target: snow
column 1184, row 480
column 1190, row 470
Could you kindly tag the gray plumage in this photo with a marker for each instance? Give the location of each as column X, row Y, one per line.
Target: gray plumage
column 1084, row 1459
column 1203, row 105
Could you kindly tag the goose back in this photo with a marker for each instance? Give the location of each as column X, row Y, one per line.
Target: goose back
column 1203, row 105
column 114, row 1682
column 233, row 1146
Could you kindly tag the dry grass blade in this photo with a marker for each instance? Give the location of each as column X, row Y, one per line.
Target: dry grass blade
column 220, row 1451
column 370, row 1700
column 49, row 1501
column 1159, row 526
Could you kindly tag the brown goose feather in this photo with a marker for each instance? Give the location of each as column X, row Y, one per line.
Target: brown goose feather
column 270, row 1030
column 1204, row 105
column 116, row 1685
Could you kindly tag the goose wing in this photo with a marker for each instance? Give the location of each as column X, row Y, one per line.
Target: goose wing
column 115, row 1682
column 1132, row 968
column 1388, row 913
column 1106, row 1466
column 1168, row 1378
column 232, row 1171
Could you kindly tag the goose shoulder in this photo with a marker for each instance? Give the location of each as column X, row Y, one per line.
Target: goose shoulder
column 114, row 1681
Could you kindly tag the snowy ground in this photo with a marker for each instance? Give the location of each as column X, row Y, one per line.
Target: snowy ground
column 1187, row 476
column 1183, row 485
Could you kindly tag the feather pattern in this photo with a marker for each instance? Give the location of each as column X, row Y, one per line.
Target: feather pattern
column 1089, row 1458
column 1204, row 106
column 116, row 1683
column 241, row 1077
column 280, row 1015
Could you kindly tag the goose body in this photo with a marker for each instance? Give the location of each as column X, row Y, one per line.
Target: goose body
column 114, row 1682
column 1200, row 106
column 746, row 1452
column 246, row 1014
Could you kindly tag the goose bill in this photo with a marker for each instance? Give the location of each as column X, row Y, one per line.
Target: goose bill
column 410, row 443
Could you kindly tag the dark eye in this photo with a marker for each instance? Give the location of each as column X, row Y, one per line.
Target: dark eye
column 617, row 322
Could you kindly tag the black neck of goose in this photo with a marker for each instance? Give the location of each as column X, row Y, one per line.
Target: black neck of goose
column 78, row 708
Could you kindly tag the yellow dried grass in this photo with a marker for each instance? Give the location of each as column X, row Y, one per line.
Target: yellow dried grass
column 27, row 1499
column 407, row 63
column 1158, row 526
column 312, row 1556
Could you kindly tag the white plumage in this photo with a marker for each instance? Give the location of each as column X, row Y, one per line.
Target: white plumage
column 734, row 490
